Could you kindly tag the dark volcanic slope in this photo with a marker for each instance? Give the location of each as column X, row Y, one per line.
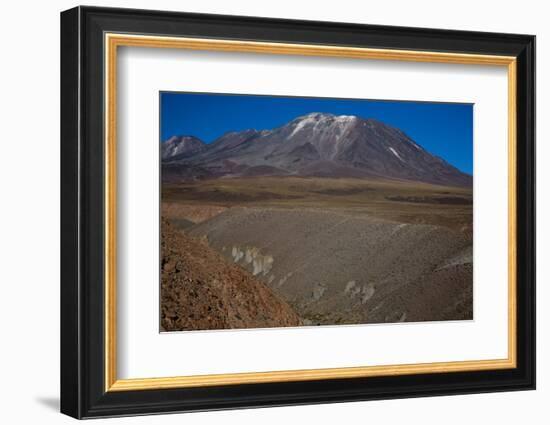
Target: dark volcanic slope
column 316, row 144
column 201, row 290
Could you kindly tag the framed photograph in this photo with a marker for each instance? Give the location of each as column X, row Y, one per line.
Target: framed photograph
column 261, row 212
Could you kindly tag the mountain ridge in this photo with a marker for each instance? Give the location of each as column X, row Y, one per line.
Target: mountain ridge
column 315, row 144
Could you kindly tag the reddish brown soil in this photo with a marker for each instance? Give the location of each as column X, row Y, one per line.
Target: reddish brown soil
column 201, row 290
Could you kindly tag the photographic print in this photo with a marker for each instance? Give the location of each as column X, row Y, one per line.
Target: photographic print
column 298, row 211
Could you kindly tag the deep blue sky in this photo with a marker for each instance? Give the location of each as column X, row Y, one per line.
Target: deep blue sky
column 444, row 129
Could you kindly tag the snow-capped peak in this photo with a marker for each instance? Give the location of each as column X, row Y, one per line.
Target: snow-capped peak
column 177, row 145
column 320, row 120
column 345, row 118
column 315, row 116
column 325, row 116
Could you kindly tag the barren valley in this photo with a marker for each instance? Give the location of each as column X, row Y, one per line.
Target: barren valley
column 338, row 251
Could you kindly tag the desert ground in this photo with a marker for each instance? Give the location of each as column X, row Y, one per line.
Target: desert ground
column 332, row 250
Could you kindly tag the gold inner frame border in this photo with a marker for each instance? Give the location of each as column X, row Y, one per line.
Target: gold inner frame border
column 111, row 43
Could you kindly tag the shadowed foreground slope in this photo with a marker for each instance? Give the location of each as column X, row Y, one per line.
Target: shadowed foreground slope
column 201, row 290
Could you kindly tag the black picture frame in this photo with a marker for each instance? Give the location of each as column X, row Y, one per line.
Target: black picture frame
column 83, row 392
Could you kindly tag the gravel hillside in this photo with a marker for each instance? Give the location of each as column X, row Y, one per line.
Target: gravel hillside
column 335, row 266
